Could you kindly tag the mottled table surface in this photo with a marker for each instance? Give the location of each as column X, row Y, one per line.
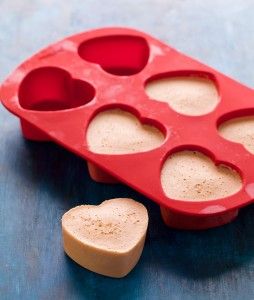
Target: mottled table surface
column 40, row 181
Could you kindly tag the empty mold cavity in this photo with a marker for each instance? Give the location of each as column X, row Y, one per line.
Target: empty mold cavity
column 192, row 176
column 239, row 130
column 116, row 131
column 188, row 95
column 121, row 55
column 51, row 89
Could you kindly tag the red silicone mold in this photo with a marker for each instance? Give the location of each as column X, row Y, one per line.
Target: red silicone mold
column 58, row 91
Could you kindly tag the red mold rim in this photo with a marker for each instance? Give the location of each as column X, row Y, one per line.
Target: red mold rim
column 247, row 112
column 186, row 73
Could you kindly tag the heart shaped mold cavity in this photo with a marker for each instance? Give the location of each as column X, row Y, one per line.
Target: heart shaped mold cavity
column 192, row 176
column 116, row 131
column 239, row 130
column 187, row 95
column 108, row 238
column 51, row 89
column 121, row 55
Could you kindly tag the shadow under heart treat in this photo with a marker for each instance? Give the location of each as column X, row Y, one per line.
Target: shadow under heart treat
column 107, row 239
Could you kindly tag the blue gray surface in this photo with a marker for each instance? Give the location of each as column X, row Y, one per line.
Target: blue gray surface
column 39, row 182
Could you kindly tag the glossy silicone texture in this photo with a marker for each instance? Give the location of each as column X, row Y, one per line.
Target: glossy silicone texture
column 58, row 91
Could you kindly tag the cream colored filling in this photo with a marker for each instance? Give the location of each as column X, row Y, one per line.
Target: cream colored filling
column 239, row 130
column 107, row 239
column 116, row 131
column 192, row 176
column 193, row 96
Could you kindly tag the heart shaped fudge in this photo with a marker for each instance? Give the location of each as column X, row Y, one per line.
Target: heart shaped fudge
column 192, row 176
column 189, row 95
column 107, row 239
column 116, row 131
column 239, row 130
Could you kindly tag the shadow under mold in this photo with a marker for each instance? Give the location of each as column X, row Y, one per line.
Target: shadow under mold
column 189, row 254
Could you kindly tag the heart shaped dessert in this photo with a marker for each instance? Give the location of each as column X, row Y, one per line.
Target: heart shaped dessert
column 192, row 176
column 239, row 130
column 116, row 131
column 107, row 239
column 189, row 95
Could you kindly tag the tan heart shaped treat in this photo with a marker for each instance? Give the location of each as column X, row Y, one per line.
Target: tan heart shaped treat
column 239, row 130
column 192, row 176
column 189, row 95
column 107, row 239
column 116, row 131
